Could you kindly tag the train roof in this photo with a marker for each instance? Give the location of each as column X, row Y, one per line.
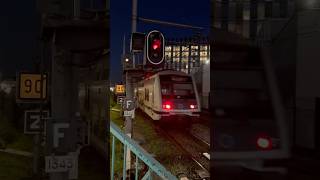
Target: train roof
column 171, row 72
column 167, row 72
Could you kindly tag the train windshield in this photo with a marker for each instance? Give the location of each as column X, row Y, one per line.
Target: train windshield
column 183, row 89
column 177, row 87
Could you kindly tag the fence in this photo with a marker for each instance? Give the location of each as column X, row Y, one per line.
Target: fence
column 153, row 165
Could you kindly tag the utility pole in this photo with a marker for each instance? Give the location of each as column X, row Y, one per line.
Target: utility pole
column 65, row 48
column 61, row 106
column 134, row 23
column 129, row 86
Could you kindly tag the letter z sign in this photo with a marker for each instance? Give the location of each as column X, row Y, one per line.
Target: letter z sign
column 32, row 121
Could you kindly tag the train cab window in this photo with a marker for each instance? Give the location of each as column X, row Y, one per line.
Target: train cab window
column 183, row 89
column 177, row 87
column 165, row 89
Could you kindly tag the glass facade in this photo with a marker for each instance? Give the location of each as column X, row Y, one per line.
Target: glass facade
column 185, row 57
column 247, row 17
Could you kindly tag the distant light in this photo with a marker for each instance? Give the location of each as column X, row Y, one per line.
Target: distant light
column 207, row 61
column 264, row 143
column 127, row 60
column 192, row 106
column 5, row 87
column 111, row 89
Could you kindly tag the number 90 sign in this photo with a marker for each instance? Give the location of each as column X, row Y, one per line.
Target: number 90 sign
column 30, row 86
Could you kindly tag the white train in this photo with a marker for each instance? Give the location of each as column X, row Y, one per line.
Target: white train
column 168, row 93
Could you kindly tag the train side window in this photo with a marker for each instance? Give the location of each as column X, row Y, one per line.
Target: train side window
column 152, row 97
column 146, row 94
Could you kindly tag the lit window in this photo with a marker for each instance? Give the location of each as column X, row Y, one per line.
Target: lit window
column 176, row 48
column 203, row 48
column 185, row 48
column 194, row 47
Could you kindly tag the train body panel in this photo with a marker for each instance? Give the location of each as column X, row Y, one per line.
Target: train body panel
column 168, row 93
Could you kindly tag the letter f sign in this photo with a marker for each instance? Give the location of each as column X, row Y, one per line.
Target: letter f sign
column 56, row 134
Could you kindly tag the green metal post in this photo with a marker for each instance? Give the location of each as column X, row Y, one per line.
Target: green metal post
column 124, row 162
column 136, row 167
column 112, row 158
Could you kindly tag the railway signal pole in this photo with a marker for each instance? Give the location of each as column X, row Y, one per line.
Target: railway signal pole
column 68, row 47
column 129, row 86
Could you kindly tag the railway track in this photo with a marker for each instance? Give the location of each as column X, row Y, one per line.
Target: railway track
column 189, row 146
column 187, row 143
column 198, row 133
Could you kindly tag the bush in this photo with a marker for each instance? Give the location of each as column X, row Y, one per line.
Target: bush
column 112, row 99
column 8, row 134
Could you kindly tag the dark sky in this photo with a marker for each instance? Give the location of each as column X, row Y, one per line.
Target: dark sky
column 195, row 13
column 19, row 28
column 18, row 35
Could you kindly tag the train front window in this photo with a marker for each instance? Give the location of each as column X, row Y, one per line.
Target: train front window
column 177, row 91
column 165, row 89
column 176, row 87
column 183, row 90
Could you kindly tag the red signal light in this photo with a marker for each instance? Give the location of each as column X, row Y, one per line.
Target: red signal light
column 156, row 44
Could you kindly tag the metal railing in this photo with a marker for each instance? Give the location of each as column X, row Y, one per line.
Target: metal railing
column 140, row 154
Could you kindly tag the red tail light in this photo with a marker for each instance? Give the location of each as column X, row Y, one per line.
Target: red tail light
column 264, row 142
column 167, row 106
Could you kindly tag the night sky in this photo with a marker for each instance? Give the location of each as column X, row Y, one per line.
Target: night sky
column 18, row 35
column 20, row 28
column 195, row 13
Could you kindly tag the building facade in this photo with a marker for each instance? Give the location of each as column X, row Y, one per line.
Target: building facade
column 186, row 56
column 248, row 17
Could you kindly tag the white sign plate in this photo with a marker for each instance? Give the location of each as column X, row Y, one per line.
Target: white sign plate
column 32, row 121
column 60, row 163
column 120, row 99
column 128, row 113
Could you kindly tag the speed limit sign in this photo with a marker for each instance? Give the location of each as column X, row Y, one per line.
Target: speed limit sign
column 29, row 87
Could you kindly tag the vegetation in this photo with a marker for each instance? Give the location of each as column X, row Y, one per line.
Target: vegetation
column 162, row 149
column 118, row 163
column 10, row 135
column 14, row 167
